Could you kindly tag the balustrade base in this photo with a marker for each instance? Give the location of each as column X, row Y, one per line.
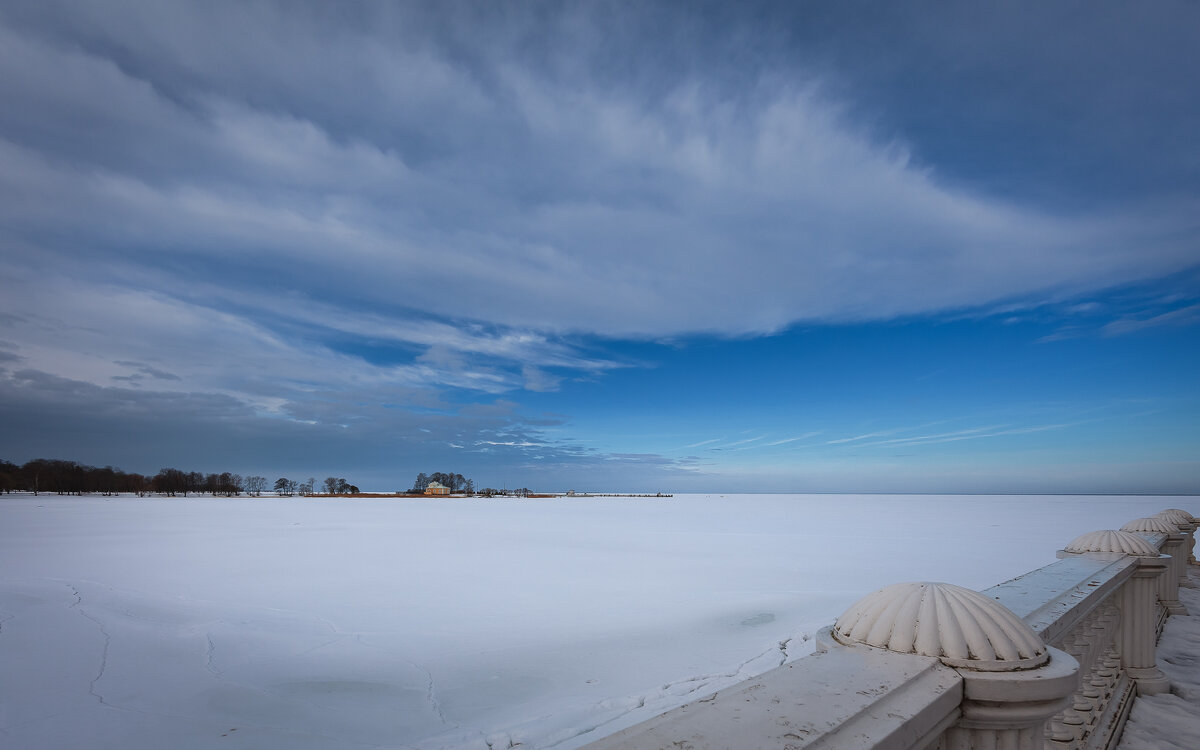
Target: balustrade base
column 1149, row 680
column 1106, row 733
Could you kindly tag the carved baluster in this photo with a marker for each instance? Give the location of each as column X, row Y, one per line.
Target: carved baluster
column 1058, row 735
column 1137, row 601
column 1168, row 584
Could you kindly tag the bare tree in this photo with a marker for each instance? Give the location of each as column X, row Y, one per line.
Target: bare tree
column 170, row 482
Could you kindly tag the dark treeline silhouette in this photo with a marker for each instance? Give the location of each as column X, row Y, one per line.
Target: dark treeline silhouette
column 338, row 486
column 46, row 475
column 493, row 492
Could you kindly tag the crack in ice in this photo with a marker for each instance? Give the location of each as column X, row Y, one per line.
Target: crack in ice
column 703, row 681
column 208, row 656
column 430, row 687
column 431, row 696
column 78, row 606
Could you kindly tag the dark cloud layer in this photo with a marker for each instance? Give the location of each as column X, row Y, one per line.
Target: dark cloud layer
column 144, row 430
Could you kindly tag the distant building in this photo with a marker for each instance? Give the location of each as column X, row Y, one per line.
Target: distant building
column 437, row 488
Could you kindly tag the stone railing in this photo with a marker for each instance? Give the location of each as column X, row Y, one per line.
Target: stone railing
column 1051, row 659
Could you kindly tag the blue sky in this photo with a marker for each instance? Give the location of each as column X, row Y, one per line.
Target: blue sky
column 629, row 246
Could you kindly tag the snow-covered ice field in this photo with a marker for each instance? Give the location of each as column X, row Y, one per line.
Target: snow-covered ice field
column 387, row 623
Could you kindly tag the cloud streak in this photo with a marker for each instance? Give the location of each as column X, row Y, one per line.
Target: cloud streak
column 972, row 434
column 611, row 183
column 785, row 441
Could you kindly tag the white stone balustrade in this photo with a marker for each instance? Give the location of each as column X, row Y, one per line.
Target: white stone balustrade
column 1051, row 659
column 1173, row 545
column 1120, row 634
column 1012, row 681
column 1187, row 525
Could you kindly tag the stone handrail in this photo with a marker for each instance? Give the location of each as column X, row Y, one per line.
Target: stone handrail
column 1050, row 660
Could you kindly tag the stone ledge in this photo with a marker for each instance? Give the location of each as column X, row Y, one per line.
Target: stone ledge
column 843, row 698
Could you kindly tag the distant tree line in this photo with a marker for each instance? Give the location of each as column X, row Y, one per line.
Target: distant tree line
column 69, row 478
column 338, row 486
column 331, row 486
column 45, row 475
column 493, row 492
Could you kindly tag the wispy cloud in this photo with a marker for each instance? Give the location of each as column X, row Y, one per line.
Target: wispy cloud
column 975, row 434
column 144, row 370
column 209, row 181
column 1189, row 315
column 805, row 436
column 935, row 437
column 733, row 445
column 867, row 436
column 1065, row 333
column 537, row 379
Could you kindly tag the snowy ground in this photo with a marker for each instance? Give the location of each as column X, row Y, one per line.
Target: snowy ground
column 1171, row 721
column 385, row 623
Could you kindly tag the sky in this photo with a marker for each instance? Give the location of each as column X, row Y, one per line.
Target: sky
column 643, row 247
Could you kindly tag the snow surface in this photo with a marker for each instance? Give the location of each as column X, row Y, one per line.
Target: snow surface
column 1171, row 721
column 386, row 623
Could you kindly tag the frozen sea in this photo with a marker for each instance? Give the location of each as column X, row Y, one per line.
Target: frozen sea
column 399, row 623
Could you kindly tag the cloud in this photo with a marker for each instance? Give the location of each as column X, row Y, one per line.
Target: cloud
column 805, row 436
column 48, row 415
column 537, row 379
column 942, row 436
column 733, row 445
column 972, row 434
column 242, row 352
column 705, row 209
column 864, row 436
column 144, row 370
column 1183, row 316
